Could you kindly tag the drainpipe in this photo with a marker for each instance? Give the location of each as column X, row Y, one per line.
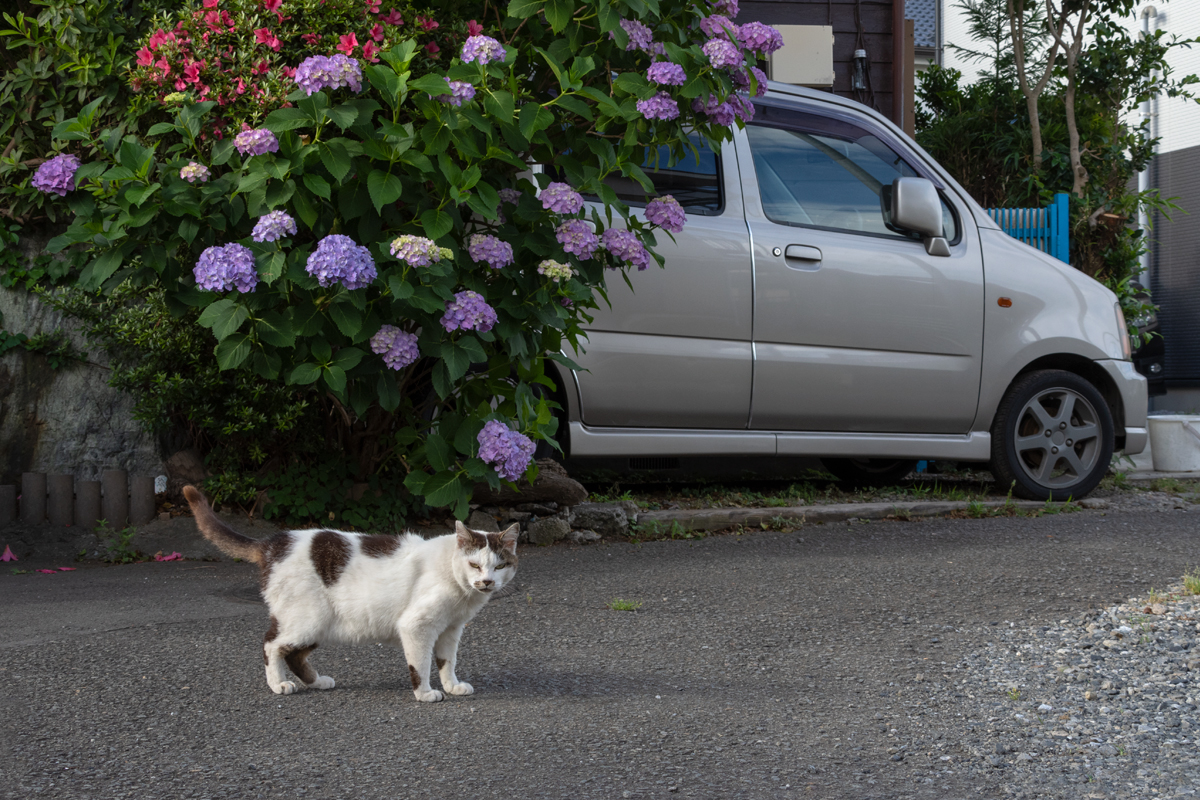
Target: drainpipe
column 1149, row 17
column 899, row 62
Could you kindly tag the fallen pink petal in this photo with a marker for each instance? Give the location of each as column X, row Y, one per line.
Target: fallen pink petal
column 176, row 556
column 67, row 569
column 48, row 571
column 8, row 554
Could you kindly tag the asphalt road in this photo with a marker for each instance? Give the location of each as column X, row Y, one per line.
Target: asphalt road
column 765, row 665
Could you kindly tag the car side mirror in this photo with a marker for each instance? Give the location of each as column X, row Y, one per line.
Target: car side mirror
column 913, row 205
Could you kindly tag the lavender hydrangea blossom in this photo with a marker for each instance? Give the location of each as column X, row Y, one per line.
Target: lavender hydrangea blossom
column 338, row 259
column 666, row 73
column 660, row 106
column 720, row 113
column 460, row 92
column 561, row 199
column 399, row 349
column 577, row 238
column 640, row 37
column 57, row 176
column 328, row 72
column 273, row 225
column 727, row 7
column 741, row 81
column 760, row 38
column 194, row 172
column 626, row 247
column 482, row 49
column 743, row 109
column 666, row 213
column 256, row 142
column 468, row 311
column 508, row 451
column 512, row 196
column 719, row 27
column 221, row 268
column 722, row 53
column 485, row 247
column 417, row 251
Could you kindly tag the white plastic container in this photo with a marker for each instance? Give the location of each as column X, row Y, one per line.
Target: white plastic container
column 1175, row 443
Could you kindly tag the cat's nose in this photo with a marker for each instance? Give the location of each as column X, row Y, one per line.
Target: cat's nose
column 487, row 582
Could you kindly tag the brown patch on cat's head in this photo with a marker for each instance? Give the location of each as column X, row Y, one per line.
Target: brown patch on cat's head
column 274, row 550
column 379, row 546
column 414, row 676
column 469, row 539
column 330, row 554
column 505, row 543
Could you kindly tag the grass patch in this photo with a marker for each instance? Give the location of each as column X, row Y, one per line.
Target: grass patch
column 617, row 604
column 1191, row 581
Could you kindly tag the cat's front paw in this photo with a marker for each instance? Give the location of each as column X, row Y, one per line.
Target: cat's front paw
column 461, row 689
column 432, row 696
column 285, row 687
column 323, row 682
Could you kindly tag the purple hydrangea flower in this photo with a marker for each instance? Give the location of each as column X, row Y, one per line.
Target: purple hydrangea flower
column 722, row 53
column 485, row 247
column 338, row 259
column 328, row 72
column 741, row 81
column 229, row 267
column 720, row 113
column 255, row 142
column 273, row 225
column 561, row 199
column 743, row 109
column 399, row 349
column 660, row 106
column 508, row 451
column 468, row 311
column 719, row 27
column 666, row 213
column 510, row 196
column 727, row 7
column 417, row 251
column 666, row 73
column 194, row 172
column 578, row 238
column 460, row 92
column 57, row 176
column 555, row 270
column 626, row 247
column 640, row 37
column 482, row 49
column 759, row 37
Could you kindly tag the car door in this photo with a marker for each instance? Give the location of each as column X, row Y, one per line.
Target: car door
column 675, row 352
column 856, row 327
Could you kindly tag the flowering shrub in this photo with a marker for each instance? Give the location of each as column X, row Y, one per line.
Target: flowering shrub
column 381, row 240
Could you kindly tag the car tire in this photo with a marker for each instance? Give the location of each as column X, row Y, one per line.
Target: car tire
column 870, row 471
column 1052, row 437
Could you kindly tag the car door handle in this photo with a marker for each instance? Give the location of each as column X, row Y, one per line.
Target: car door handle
column 809, row 257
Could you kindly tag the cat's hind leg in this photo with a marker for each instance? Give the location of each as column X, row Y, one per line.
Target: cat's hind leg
column 445, row 652
column 297, row 661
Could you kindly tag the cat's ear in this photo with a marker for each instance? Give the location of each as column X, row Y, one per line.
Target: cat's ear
column 508, row 539
column 467, row 538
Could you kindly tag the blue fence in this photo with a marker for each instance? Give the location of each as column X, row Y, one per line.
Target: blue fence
column 1047, row 228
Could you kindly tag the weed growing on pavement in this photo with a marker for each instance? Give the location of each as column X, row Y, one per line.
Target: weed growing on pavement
column 1170, row 485
column 652, row 530
column 1118, row 480
column 976, row 509
column 1014, row 693
column 1191, row 581
column 118, row 545
column 617, row 604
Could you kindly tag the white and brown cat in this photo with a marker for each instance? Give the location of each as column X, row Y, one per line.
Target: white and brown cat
column 323, row 585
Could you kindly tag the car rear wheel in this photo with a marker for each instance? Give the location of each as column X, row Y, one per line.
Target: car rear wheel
column 1052, row 437
column 869, row 471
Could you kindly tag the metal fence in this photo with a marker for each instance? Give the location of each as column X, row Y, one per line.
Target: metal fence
column 1047, row 228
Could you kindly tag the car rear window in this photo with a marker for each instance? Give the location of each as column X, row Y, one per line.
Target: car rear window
column 695, row 181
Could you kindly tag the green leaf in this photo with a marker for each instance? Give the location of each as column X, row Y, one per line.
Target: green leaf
column 343, row 116
column 335, row 378
column 415, row 481
column 438, row 452
column 520, row 9
column 347, row 318
column 280, row 193
column 101, row 269
column 558, row 13
column 232, row 351
column 633, row 82
column 500, row 105
column 273, row 328
column 348, row 358
column 443, row 488
column 695, row 86
column 222, row 152
column 87, row 171
column 436, row 223
column 304, row 207
column 473, row 349
column 336, row 159
column 160, row 128
column 534, row 118
column 287, row 119
column 386, row 82
column 575, row 105
column 433, row 84
column 317, row 185
column 188, row 228
column 384, row 187
column 304, row 374
column 251, row 181
column 224, row 317
column 456, row 359
column 387, row 391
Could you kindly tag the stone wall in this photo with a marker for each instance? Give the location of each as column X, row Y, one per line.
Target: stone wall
column 67, row 420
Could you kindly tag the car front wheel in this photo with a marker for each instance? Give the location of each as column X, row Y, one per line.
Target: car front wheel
column 1052, row 437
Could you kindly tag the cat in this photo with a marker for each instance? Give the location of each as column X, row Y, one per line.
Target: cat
column 322, row 585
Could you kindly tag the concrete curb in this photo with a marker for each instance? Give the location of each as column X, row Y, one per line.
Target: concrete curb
column 1150, row 475
column 715, row 519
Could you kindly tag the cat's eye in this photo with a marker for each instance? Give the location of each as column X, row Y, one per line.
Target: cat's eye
column 472, row 565
column 501, row 566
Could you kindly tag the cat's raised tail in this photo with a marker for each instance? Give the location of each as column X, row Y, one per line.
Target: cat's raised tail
column 224, row 537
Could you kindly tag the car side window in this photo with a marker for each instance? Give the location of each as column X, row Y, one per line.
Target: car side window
column 825, row 172
column 695, row 181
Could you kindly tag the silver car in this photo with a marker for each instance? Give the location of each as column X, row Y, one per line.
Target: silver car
column 837, row 294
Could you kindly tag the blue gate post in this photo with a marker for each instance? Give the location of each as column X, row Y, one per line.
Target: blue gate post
column 1060, row 227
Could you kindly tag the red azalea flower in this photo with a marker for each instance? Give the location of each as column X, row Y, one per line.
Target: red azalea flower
column 211, row 3
column 427, row 23
column 288, row 72
column 377, row 32
column 473, row 28
column 264, row 36
column 272, row 5
column 260, row 68
column 311, row 38
column 369, row 51
column 145, row 57
column 348, row 43
column 393, row 18
column 432, row 49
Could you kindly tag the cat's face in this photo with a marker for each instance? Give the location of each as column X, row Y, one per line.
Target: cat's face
column 489, row 560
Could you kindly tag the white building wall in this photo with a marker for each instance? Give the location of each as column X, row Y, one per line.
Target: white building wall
column 954, row 31
column 1178, row 119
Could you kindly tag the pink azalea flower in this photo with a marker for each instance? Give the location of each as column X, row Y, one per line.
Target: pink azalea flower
column 311, row 38
column 373, row 6
column 164, row 66
column 348, row 43
column 261, row 68
column 369, row 51
column 473, row 28
column 264, row 36
column 272, row 5
column 427, row 23
column 145, row 57
column 191, row 73
column 67, row 569
column 8, row 555
column 377, row 32
column 392, row 18
column 211, row 3
column 432, row 49
column 180, row 85
column 213, row 20
column 157, row 38
column 288, row 72
column 47, row 572
column 241, row 86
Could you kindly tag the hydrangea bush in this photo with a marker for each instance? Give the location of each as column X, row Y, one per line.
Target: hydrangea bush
column 404, row 231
